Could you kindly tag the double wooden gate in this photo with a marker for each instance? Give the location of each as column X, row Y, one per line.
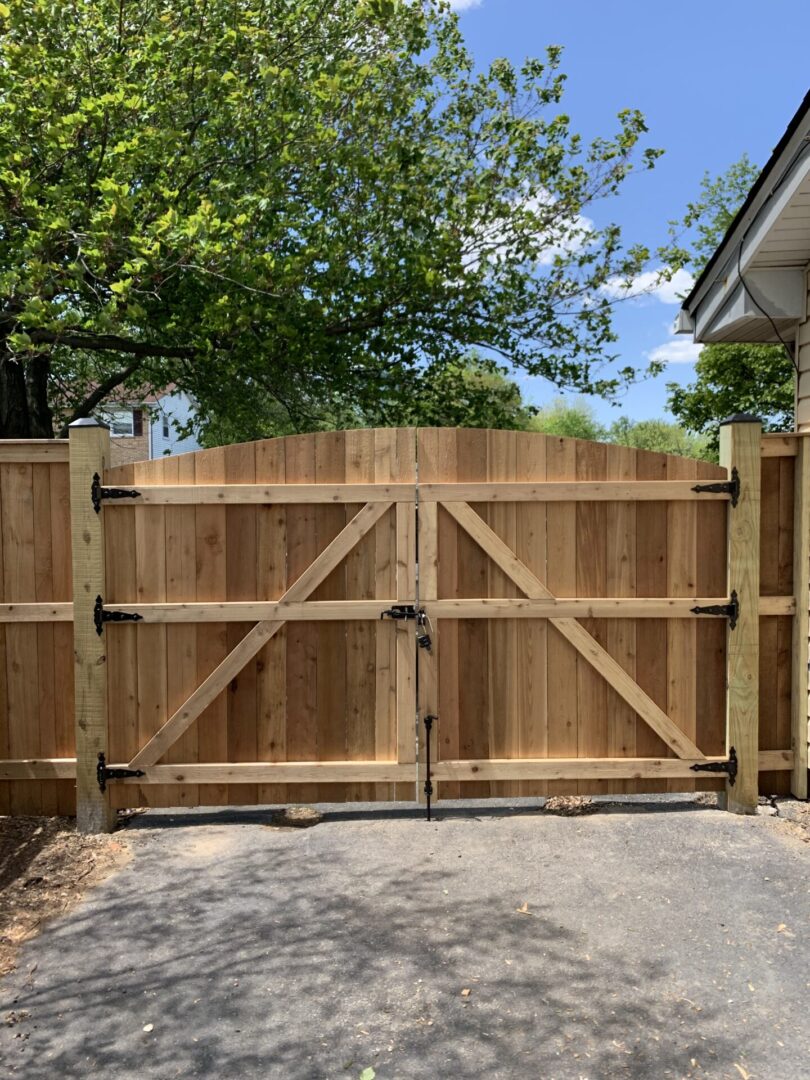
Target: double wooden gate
column 274, row 621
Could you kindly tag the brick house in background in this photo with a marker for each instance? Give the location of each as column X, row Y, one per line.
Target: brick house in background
column 146, row 426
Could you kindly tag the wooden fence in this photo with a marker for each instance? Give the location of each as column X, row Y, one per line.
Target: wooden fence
column 557, row 580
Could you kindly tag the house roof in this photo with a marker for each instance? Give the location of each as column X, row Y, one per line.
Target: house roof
column 752, row 288
column 141, row 396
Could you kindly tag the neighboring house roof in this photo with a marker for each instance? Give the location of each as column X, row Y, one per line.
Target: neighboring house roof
column 137, row 398
column 753, row 287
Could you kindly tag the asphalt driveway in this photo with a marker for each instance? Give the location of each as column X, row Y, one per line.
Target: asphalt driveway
column 667, row 940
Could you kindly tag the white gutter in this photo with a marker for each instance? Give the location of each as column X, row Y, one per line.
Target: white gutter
column 759, row 225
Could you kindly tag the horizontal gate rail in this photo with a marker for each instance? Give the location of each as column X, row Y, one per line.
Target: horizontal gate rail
column 258, row 494
column 590, row 768
column 618, row 607
column 579, row 607
column 295, row 772
column 571, row 491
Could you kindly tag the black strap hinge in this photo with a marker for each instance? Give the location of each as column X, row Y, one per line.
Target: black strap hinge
column 103, row 774
column 728, row 767
column 723, row 487
column 730, row 611
column 102, row 615
column 98, row 492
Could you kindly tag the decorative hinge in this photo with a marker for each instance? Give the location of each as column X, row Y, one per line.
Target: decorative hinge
column 97, row 493
column 730, row 611
column 102, row 615
column 103, row 774
column 723, row 487
column 728, row 767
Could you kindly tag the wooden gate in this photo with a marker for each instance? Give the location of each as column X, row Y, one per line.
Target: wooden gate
column 562, row 577
column 236, row 640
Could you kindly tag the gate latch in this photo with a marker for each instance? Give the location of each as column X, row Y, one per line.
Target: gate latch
column 401, row 612
column 98, row 492
column 728, row 767
column 730, row 611
column 103, row 773
column 728, row 487
column 102, row 615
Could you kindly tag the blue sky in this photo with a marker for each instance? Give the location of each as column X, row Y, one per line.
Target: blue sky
column 714, row 79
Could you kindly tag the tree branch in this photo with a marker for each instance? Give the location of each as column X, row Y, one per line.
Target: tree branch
column 100, row 392
column 77, row 339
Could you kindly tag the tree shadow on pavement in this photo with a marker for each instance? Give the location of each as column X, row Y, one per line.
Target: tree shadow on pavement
column 288, row 958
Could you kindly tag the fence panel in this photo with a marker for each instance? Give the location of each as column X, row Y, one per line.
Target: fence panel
column 36, row 653
column 507, row 689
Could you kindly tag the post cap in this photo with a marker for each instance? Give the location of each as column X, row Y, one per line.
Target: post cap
column 741, row 418
column 88, row 421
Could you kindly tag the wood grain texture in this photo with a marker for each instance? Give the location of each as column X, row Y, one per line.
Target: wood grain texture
column 740, row 449
column 620, row 580
column 28, row 451
column 596, row 550
column 509, row 686
column 584, row 642
column 89, row 453
column 801, row 620
column 300, row 691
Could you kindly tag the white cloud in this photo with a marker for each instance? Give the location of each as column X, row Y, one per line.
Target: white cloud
column 464, row 5
column 564, row 237
column 652, row 284
column 678, row 349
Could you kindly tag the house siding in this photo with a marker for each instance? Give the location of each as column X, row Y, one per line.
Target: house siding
column 127, row 448
column 803, row 364
column 177, row 408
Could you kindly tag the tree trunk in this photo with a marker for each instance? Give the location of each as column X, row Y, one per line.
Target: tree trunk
column 15, row 422
column 39, row 411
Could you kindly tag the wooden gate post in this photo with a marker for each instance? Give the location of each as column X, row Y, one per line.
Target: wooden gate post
column 89, row 454
column 801, row 620
column 740, row 449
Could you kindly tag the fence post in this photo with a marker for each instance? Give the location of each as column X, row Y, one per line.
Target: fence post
column 740, row 449
column 801, row 620
column 89, row 454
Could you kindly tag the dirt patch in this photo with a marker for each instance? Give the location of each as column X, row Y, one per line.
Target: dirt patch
column 569, row 805
column 295, row 817
column 791, row 819
column 45, row 867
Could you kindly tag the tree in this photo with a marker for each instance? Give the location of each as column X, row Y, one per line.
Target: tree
column 295, row 199
column 574, row 420
column 756, row 379
column 471, row 392
column 730, row 378
column 660, row 436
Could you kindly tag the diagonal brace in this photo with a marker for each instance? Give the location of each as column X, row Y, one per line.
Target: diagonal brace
column 261, row 633
column 574, row 632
